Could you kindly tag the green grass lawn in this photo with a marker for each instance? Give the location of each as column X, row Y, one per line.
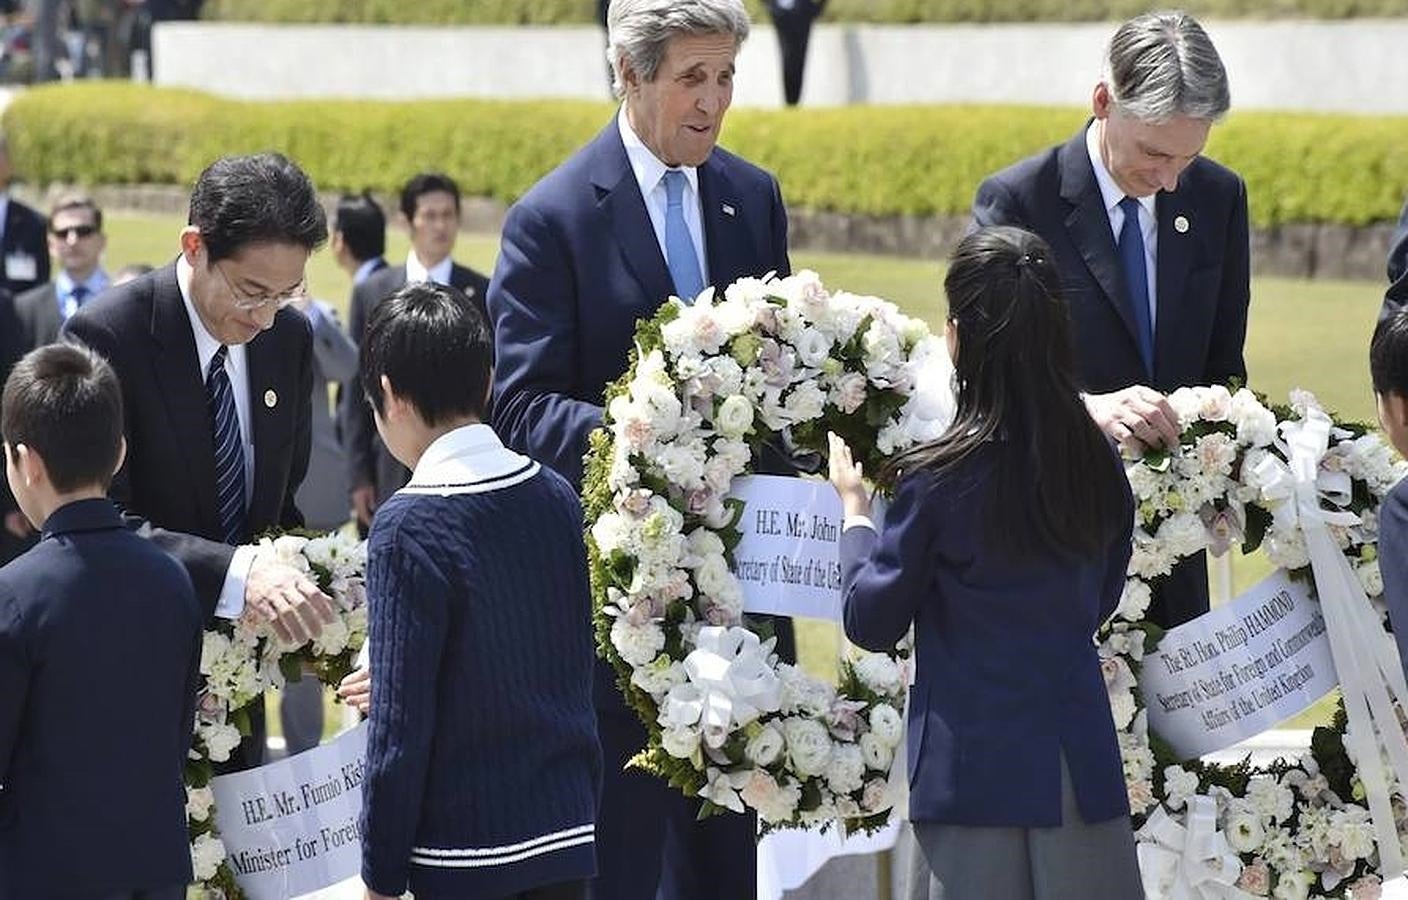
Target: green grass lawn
column 1308, row 334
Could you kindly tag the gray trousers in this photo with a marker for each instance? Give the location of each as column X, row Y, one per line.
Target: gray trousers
column 1072, row 860
column 301, row 714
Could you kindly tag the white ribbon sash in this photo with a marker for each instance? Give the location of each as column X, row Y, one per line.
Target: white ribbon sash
column 1366, row 658
column 1189, row 862
column 730, row 683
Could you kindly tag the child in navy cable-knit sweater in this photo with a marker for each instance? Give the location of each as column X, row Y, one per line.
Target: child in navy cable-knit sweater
column 482, row 758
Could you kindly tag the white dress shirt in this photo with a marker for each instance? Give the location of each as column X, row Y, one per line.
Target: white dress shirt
column 650, row 175
column 1148, row 220
column 231, row 602
column 417, row 273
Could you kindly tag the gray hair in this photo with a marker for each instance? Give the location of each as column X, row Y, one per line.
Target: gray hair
column 1162, row 65
column 639, row 30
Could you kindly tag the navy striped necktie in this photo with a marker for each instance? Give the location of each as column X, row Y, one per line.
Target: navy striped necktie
column 229, row 449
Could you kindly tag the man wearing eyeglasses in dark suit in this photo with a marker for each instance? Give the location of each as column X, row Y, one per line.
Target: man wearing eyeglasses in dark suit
column 217, row 379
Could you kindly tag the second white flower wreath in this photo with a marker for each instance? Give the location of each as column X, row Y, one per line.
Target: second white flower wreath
column 708, row 383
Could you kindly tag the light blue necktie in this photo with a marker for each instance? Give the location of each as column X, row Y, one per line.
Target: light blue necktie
column 1136, row 276
column 229, row 450
column 680, row 253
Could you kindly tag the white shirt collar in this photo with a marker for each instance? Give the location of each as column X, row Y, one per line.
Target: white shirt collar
column 647, row 167
column 416, row 272
column 206, row 344
column 471, row 456
column 1109, row 191
column 364, row 271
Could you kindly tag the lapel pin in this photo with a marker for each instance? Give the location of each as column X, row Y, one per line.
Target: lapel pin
column 728, row 210
column 271, row 399
column 1180, row 224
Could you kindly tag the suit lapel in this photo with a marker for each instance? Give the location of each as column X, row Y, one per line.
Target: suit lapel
column 726, row 242
column 1174, row 253
column 177, row 371
column 624, row 212
column 1089, row 226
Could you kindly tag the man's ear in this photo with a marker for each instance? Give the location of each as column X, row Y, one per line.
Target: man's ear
column 121, row 455
column 1101, row 101
column 191, row 244
column 1396, row 409
column 30, row 465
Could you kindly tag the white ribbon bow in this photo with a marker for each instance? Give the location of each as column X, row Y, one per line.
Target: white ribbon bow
column 1366, row 658
column 730, row 683
column 1188, row 862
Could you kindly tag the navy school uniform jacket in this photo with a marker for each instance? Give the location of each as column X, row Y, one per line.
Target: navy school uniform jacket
column 1008, row 678
column 100, row 641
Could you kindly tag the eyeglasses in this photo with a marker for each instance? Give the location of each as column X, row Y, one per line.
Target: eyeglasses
column 252, row 302
column 73, row 231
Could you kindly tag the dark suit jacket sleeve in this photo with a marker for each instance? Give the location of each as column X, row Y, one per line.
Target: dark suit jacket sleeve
column 995, row 205
column 357, row 425
column 1120, row 549
column 206, row 561
column 532, row 302
column 14, row 677
column 779, row 232
column 1397, row 296
column 886, row 577
column 1229, row 330
column 1393, row 563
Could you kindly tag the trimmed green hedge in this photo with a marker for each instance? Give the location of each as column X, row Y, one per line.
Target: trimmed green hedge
column 561, row 12
column 875, row 160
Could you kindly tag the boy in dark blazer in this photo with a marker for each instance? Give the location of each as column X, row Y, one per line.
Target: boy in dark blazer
column 482, row 760
column 92, row 800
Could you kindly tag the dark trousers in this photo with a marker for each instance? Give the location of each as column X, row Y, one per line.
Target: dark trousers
column 648, row 836
column 794, row 31
column 564, row 890
column 1183, row 595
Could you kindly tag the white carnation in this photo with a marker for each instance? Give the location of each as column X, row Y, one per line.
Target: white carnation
column 879, row 672
column 886, row 724
column 1371, row 578
column 1183, row 534
column 658, row 676
column 1256, row 425
column 1245, row 831
column 846, row 771
column 775, row 803
column 848, row 392
column 219, row 739
column 1134, row 600
column 1179, row 785
column 637, row 644
column 207, row 853
column 805, row 402
column 1269, row 799
column 803, row 693
column 198, row 803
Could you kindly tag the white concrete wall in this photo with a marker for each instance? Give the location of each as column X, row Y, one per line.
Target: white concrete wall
column 1359, row 66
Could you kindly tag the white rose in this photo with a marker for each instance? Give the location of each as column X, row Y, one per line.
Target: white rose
column 846, row 770
column 1185, row 404
column 1245, row 831
column 1371, row 578
column 1269, row 799
column 1256, row 425
column 765, row 747
column 637, row 644
column 808, row 746
column 1215, row 403
column 879, row 672
column 886, row 724
column 878, row 755
column 681, row 743
column 610, row 532
column 805, row 402
column 735, row 417
column 683, row 463
column 1183, row 534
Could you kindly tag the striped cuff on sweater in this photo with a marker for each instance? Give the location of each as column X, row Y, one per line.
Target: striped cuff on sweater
column 481, row 857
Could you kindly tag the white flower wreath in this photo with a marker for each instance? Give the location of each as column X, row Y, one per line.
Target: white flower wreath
column 709, row 383
column 1292, row 830
column 239, row 663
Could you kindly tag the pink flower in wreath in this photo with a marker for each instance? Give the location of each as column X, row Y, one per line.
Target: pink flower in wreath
column 1255, row 879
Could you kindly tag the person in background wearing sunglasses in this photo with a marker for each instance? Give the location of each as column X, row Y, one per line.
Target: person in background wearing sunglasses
column 217, row 381
column 76, row 245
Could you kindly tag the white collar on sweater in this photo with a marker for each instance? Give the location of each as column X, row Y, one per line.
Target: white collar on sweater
column 470, row 459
